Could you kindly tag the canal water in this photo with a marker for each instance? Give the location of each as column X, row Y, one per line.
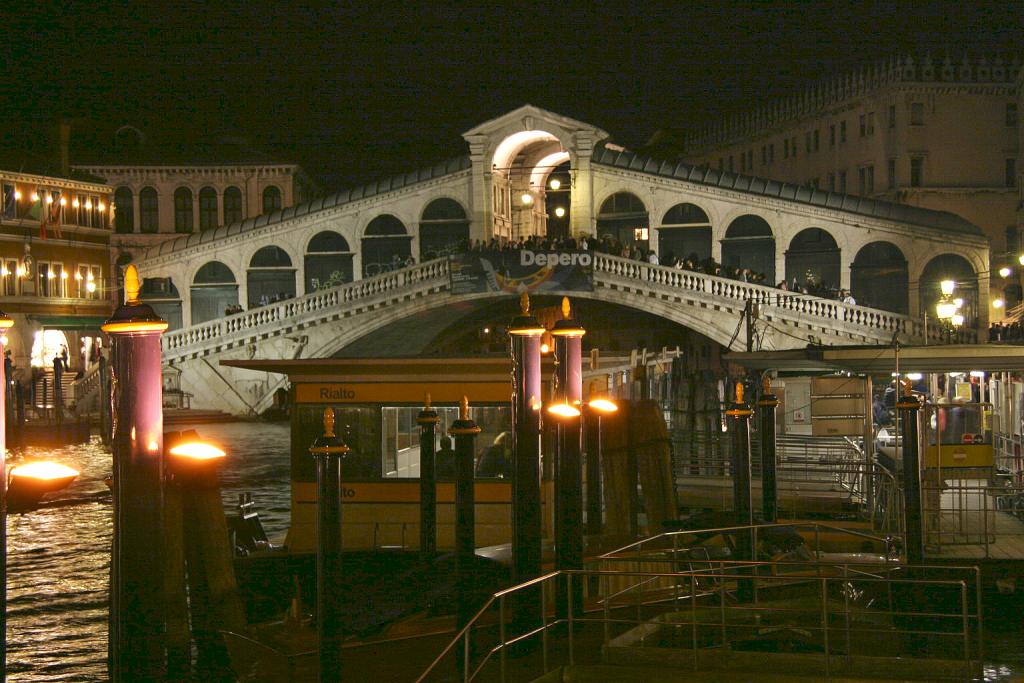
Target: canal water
column 59, row 556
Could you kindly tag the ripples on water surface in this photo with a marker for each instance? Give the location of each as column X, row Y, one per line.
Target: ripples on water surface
column 59, row 556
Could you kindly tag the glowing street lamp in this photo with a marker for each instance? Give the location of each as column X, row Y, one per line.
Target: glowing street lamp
column 31, row 481
column 1004, row 271
column 560, row 211
column 555, row 183
column 998, row 303
column 526, row 198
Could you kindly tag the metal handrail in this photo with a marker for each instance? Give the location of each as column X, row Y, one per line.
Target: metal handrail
column 969, row 611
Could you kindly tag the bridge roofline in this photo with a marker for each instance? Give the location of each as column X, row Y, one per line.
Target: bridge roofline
column 940, row 221
column 438, row 170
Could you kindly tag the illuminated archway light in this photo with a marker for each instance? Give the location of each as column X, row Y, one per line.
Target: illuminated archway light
column 513, row 144
column 545, row 166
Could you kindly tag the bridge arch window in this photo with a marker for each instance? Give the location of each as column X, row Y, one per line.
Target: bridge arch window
column 813, row 260
column 183, row 221
column 879, row 278
column 162, row 295
column 271, row 199
column 328, row 261
column 685, row 231
column 207, row 208
column 214, row 292
column 444, row 229
column 750, row 243
column 385, row 245
column 271, row 277
column 958, row 269
column 124, row 210
column 232, row 205
column 149, row 210
column 623, row 220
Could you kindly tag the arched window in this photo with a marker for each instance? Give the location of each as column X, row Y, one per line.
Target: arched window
column 207, row 208
column 444, row 228
column 685, row 231
column 271, row 199
column 749, row 243
column 162, row 295
column 232, row 205
column 183, row 210
column 149, row 210
column 623, row 219
column 878, row 277
column 271, row 277
column 958, row 269
column 328, row 261
column 124, row 210
column 214, row 291
column 813, row 260
column 385, row 245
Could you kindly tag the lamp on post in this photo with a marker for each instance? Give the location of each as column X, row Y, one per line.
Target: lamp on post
column 948, row 308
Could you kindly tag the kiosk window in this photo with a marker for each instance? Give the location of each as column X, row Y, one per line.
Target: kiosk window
column 400, row 442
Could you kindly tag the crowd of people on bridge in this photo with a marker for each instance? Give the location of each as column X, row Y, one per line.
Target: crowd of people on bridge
column 1010, row 331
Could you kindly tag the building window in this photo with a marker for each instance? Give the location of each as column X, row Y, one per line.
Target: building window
column 88, row 281
column 51, row 278
column 1012, row 239
column 892, row 174
column 785, row 148
column 862, row 173
column 771, row 152
column 871, row 123
column 863, row 124
column 831, row 182
column 750, row 160
column 232, row 205
column 183, row 221
column 1011, row 173
column 917, row 114
column 207, row 208
column 916, row 171
column 842, row 182
column 817, row 140
column 832, row 135
column 1011, row 114
column 149, row 210
column 9, row 274
column 124, row 210
column 842, row 131
column 807, row 142
column 871, row 179
column 272, row 199
column 764, row 154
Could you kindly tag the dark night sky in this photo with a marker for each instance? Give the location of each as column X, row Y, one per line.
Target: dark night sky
column 354, row 94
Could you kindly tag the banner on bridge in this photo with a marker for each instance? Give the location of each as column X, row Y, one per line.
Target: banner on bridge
column 520, row 270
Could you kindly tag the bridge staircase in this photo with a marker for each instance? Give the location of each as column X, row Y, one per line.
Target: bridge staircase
column 317, row 324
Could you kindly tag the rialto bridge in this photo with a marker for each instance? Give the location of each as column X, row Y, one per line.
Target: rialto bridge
column 316, row 278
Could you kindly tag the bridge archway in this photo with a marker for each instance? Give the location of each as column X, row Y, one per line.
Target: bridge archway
column 623, row 218
column 520, row 166
column 385, row 243
column 879, row 277
column 685, row 230
column 958, row 269
column 750, row 243
column 163, row 296
column 328, row 261
column 444, row 228
column 813, row 255
column 270, row 277
column 214, row 289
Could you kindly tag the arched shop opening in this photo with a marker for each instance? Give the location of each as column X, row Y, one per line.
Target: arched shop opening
column 623, row 219
column 685, row 231
column 161, row 294
column 444, row 229
column 214, row 290
column 957, row 269
column 813, row 260
column 385, row 245
column 271, row 277
column 553, row 181
column 328, row 261
column 750, row 243
column 520, row 170
column 879, row 277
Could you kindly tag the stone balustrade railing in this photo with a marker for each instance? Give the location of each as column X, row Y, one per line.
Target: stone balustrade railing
column 321, row 305
column 305, row 309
